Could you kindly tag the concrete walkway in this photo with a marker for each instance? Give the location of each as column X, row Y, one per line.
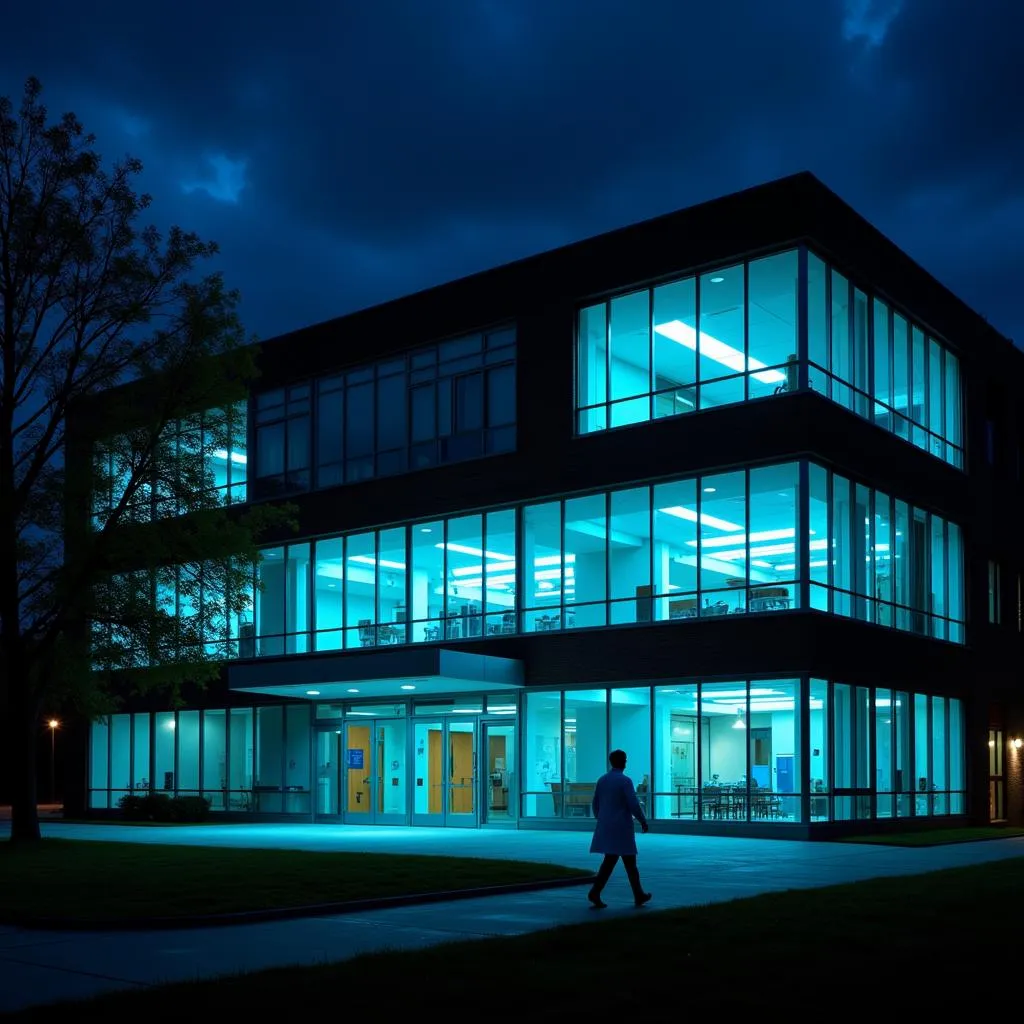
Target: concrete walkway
column 38, row 967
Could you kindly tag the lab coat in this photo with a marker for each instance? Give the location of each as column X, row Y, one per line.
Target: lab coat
column 615, row 806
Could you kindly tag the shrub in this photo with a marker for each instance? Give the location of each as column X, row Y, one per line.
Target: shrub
column 163, row 808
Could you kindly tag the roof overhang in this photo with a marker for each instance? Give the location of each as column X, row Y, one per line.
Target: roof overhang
column 372, row 674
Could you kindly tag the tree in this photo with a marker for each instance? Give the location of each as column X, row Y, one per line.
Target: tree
column 108, row 328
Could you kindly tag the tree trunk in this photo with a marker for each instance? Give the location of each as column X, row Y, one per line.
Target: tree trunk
column 24, row 723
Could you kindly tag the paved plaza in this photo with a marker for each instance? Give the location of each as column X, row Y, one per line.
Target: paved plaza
column 37, row 966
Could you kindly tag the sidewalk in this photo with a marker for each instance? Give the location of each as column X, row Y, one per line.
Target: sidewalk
column 38, row 967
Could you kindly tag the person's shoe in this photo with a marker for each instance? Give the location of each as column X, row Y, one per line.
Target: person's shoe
column 644, row 897
column 596, row 900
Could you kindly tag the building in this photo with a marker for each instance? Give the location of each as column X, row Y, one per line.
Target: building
column 735, row 489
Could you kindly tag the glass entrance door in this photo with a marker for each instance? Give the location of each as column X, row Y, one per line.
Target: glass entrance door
column 327, row 755
column 445, row 777
column 498, row 748
column 374, row 772
column 462, row 776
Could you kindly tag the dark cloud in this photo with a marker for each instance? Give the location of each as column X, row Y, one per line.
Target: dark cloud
column 345, row 153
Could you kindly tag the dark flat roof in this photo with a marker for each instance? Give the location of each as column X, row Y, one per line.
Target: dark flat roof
column 796, row 208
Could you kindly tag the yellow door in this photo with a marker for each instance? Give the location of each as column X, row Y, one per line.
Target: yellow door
column 358, row 769
column 434, row 774
column 462, row 775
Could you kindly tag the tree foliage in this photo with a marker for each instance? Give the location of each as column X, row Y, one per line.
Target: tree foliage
column 91, row 301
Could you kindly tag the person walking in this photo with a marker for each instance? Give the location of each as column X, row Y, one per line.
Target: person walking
column 615, row 805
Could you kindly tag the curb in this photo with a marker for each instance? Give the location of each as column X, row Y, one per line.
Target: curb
column 285, row 913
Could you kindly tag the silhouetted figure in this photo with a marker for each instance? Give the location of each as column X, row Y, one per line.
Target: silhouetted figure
column 615, row 806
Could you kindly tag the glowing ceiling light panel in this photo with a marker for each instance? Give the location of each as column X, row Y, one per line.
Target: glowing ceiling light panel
column 683, row 334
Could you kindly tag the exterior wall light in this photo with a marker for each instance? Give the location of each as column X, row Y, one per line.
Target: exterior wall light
column 1018, row 743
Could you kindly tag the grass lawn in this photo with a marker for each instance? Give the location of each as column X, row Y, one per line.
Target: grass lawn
column 101, row 882
column 937, row 836
column 863, row 948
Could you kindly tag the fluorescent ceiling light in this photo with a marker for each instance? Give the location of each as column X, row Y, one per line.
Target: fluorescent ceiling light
column 236, row 457
column 683, row 334
column 370, row 560
column 760, row 536
column 682, row 512
column 475, row 552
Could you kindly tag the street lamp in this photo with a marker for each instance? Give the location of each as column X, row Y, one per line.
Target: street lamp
column 54, row 725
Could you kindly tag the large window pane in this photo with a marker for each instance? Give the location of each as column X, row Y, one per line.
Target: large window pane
column 773, row 730
column 270, row 602
column 902, row 708
column 427, row 581
column 882, row 358
column 297, row 759
column 630, row 723
column 881, row 587
column 500, row 572
column 723, row 543
column 772, row 553
column 817, row 325
column 164, row 780
column 820, row 756
column 675, row 348
column 630, row 344
column 121, row 781
column 240, row 768
column 841, row 343
column 298, row 585
column 675, row 550
column 586, row 537
column 955, row 582
column 592, row 368
column 142, row 778
column 391, row 576
column 465, row 600
column 542, row 551
column 922, row 737
column 328, row 594
column 884, row 760
column 586, row 748
column 187, row 735
column 771, row 323
column 676, row 752
column 542, row 791
column 901, row 375
column 940, row 757
column 215, row 773
column 938, row 578
column 360, row 589
column 629, row 556
column 723, row 742
column 99, row 763
column 721, row 344
column 957, row 784
column 818, row 538
column 268, row 783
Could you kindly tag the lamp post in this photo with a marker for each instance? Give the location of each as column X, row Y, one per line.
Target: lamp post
column 54, row 724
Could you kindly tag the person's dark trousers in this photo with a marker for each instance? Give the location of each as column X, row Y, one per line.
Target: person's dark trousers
column 604, row 872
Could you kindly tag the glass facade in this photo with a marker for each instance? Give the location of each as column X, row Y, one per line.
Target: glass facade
column 724, row 751
column 696, row 343
column 242, row 759
column 733, row 334
column 222, row 471
column 701, row 547
column 731, row 751
column 879, row 559
column 446, row 403
column 874, row 360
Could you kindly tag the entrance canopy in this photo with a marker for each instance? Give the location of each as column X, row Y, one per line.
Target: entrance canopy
column 404, row 673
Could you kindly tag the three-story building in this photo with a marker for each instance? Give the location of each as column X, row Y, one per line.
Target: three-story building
column 735, row 489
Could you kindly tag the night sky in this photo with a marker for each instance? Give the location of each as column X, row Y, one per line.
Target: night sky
column 344, row 153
